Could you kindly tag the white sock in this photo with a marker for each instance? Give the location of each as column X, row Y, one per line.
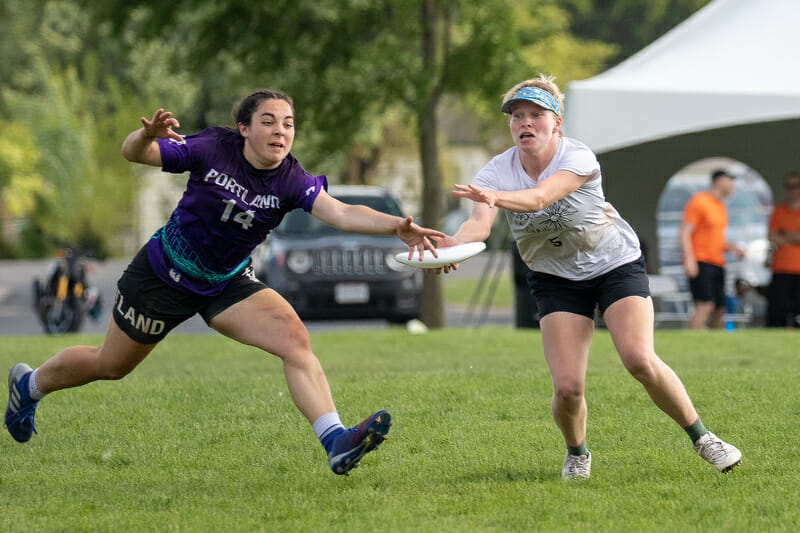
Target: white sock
column 325, row 424
column 33, row 390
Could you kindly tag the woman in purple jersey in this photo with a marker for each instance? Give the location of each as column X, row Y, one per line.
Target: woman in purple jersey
column 241, row 184
column 582, row 255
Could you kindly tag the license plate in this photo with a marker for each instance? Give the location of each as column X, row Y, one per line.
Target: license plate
column 351, row 293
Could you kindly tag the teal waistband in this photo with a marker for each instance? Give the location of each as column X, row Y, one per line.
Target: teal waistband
column 182, row 255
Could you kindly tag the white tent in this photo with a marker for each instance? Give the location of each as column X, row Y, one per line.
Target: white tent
column 733, row 62
column 724, row 83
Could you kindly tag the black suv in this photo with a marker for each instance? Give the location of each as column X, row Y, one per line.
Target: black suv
column 327, row 274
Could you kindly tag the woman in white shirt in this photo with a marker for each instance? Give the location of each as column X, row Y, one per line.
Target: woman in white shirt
column 582, row 255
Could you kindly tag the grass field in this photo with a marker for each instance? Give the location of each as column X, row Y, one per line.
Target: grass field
column 462, row 290
column 203, row 437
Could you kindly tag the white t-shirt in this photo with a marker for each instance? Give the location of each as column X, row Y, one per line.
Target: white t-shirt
column 578, row 237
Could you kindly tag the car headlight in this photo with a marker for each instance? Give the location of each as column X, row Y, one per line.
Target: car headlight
column 299, row 262
column 393, row 263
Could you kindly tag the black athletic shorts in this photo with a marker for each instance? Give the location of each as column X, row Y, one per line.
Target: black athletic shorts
column 554, row 293
column 146, row 308
column 709, row 285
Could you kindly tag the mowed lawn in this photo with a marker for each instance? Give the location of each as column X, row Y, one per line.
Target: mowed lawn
column 203, row 436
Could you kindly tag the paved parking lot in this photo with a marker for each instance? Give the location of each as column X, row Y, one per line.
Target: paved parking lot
column 17, row 316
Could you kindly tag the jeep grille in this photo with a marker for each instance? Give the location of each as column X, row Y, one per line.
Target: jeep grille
column 349, row 261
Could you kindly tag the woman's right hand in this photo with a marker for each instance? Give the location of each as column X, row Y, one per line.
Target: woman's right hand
column 160, row 127
column 476, row 194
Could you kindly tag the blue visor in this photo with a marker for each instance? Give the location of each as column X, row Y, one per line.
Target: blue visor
column 536, row 95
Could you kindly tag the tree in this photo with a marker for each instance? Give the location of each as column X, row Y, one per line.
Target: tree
column 78, row 96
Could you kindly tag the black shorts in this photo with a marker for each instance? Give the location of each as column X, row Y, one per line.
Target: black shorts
column 783, row 301
column 146, row 308
column 554, row 293
column 709, row 285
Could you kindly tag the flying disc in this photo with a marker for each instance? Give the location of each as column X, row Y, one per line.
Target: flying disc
column 447, row 256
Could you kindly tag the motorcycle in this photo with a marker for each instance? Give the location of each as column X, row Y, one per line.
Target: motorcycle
column 63, row 298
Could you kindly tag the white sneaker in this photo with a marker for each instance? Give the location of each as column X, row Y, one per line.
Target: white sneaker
column 717, row 452
column 576, row 466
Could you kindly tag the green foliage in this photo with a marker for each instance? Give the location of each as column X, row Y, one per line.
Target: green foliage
column 79, row 91
column 79, row 75
column 84, row 200
column 347, row 64
column 629, row 24
column 542, row 42
column 19, row 183
column 203, row 436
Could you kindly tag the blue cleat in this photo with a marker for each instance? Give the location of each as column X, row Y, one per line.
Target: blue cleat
column 21, row 409
column 356, row 442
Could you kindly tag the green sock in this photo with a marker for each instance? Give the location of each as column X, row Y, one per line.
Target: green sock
column 696, row 430
column 578, row 450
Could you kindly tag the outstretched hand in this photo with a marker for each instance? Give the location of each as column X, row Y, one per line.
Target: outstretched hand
column 161, row 126
column 417, row 237
column 476, row 194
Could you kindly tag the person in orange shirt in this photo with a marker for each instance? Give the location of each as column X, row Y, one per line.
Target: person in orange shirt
column 703, row 247
column 783, row 295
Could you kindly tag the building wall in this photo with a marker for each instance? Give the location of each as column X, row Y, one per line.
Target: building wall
column 158, row 196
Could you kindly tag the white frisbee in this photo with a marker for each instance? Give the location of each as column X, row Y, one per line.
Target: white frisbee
column 448, row 255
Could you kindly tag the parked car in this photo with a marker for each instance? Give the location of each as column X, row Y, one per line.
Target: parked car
column 329, row 274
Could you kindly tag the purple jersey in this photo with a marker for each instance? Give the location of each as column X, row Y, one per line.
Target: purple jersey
column 227, row 209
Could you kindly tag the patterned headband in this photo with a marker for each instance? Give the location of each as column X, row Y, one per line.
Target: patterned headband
column 537, row 96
